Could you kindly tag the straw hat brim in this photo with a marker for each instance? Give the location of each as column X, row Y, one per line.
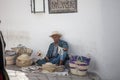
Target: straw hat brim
column 55, row 35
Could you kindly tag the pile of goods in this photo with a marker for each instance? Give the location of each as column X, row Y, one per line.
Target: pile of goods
column 23, row 60
column 20, row 49
column 10, row 57
column 49, row 67
column 79, row 65
column 19, row 55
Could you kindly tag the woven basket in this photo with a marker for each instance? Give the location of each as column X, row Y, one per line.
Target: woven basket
column 78, row 72
column 49, row 67
column 10, row 57
column 11, row 62
column 78, row 67
column 22, row 50
column 23, row 60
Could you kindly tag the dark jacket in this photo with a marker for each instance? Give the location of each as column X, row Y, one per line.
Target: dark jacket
column 61, row 43
column 3, row 72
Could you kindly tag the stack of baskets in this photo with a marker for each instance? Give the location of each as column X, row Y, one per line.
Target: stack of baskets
column 79, row 65
column 10, row 57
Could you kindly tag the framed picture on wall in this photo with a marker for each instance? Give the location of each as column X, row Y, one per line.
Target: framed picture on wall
column 37, row 6
column 62, row 6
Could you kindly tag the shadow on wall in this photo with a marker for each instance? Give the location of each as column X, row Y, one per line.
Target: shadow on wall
column 14, row 38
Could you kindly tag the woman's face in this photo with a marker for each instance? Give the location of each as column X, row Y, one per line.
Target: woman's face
column 56, row 38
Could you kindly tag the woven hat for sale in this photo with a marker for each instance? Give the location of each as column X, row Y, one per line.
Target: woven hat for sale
column 23, row 60
column 49, row 67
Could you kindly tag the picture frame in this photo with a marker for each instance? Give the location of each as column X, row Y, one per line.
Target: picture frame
column 62, row 6
column 37, row 6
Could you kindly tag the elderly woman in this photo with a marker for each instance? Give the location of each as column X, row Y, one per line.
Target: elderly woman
column 57, row 52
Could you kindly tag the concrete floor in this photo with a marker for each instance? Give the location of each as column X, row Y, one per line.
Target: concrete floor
column 15, row 74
